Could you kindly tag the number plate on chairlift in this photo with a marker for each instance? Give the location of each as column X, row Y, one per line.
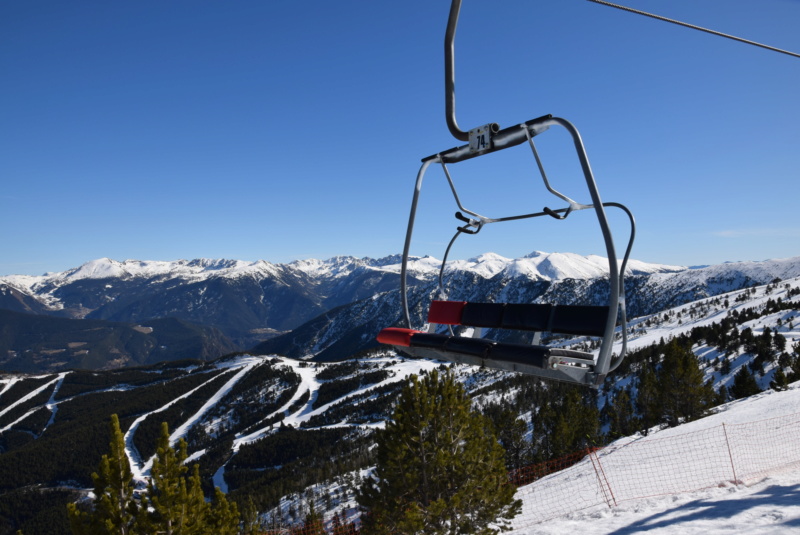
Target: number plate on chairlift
column 480, row 139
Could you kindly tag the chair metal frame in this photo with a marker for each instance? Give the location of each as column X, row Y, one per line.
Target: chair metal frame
column 486, row 139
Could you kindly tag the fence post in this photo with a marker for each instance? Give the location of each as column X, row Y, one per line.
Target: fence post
column 605, row 486
column 730, row 453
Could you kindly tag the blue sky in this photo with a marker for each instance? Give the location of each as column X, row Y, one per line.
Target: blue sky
column 282, row 130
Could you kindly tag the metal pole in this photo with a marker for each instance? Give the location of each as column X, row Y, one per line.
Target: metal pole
column 450, row 73
column 407, row 246
column 730, row 453
column 604, row 354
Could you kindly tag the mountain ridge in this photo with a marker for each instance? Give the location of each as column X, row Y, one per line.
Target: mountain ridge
column 333, row 308
column 333, row 267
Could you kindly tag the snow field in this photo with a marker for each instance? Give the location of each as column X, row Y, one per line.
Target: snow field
column 728, row 473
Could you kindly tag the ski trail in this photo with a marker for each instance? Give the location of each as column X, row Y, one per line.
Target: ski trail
column 33, row 394
column 139, row 468
column 8, row 384
column 181, row 431
column 52, row 404
column 308, row 380
column 401, row 374
column 219, row 476
column 308, row 383
column 255, row 435
column 18, row 420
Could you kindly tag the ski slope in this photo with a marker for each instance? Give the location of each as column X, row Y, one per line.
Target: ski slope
column 309, row 384
column 770, row 507
column 140, row 467
column 767, row 506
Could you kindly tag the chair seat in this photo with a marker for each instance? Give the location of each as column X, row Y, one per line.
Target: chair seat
column 532, row 355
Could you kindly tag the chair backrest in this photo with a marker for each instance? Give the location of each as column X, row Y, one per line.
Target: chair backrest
column 562, row 319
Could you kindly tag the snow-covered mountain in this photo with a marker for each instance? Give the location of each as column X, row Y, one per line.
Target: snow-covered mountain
column 291, row 432
column 650, row 289
column 334, row 307
column 248, row 301
column 345, row 301
column 537, row 265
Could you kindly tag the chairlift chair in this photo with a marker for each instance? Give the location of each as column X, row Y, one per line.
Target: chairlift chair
column 535, row 358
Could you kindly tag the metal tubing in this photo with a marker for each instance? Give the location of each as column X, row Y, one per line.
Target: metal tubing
column 622, row 304
column 604, row 355
column 455, row 194
column 407, row 246
column 505, row 138
column 450, row 73
column 569, row 374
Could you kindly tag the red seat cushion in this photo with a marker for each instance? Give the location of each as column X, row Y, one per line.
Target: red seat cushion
column 446, row 312
column 396, row 336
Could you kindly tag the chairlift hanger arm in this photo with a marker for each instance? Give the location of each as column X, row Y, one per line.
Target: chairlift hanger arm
column 479, row 138
column 449, row 59
column 450, row 73
column 490, row 135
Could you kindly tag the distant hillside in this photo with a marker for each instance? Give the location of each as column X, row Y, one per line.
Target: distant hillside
column 37, row 343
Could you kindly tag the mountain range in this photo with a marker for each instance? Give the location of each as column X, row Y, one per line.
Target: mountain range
column 290, row 432
column 324, row 309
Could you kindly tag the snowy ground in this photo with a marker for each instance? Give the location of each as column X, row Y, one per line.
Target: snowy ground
column 770, row 505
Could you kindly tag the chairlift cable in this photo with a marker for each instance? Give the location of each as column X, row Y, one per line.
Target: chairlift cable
column 694, row 27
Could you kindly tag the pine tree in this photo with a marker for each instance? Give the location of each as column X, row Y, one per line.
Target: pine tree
column 619, row 412
column 114, row 508
column 647, row 398
column 779, row 380
column 568, row 423
column 779, row 341
column 683, row 394
column 251, row 523
column 336, row 524
column 223, row 515
column 175, row 503
column 744, row 384
column 511, row 432
column 341, row 526
column 725, row 366
column 312, row 525
column 169, row 499
column 794, row 363
column 440, row 469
